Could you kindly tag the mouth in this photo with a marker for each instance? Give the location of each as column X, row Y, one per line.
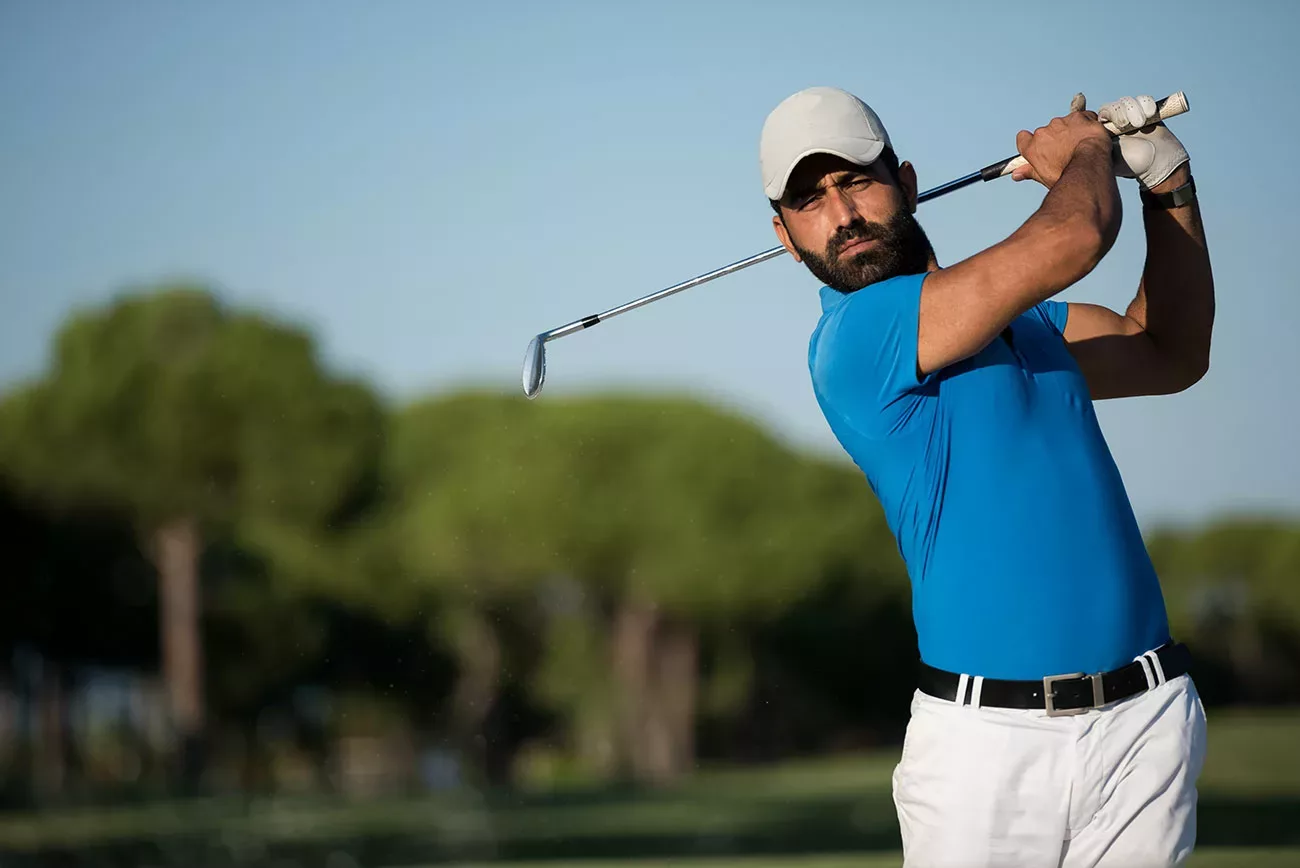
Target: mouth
column 855, row 247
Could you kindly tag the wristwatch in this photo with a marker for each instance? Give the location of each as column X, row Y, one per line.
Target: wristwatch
column 1175, row 198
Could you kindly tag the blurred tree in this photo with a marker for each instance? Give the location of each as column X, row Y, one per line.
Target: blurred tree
column 472, row 602
column 838, row 668
column 630, row 525
column 77, row 594
column 194, row 421
column 1233, row 591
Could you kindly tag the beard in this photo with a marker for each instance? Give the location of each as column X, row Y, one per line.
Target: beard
column 902, row 248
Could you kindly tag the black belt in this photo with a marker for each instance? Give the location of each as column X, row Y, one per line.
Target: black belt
column 1062, row 694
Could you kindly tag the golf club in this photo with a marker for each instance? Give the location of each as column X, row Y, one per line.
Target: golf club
column 535, row 357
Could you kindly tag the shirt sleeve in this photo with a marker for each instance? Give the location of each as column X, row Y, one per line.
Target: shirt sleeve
column 866, row 368
column 1053, row 314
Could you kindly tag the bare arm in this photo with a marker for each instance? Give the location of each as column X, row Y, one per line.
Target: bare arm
column 967, row 305
column 1161, row 344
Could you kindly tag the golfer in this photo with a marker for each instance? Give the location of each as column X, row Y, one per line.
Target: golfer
column 1055, row 722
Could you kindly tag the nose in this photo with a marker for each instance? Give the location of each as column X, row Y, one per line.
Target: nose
column 842, row 209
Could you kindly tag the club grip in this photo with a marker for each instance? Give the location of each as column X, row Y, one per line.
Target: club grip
column 1169, row 107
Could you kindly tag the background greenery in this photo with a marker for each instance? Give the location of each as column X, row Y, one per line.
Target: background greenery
column 258, row 615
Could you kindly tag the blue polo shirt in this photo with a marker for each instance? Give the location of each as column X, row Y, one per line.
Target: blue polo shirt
column 1024, row 555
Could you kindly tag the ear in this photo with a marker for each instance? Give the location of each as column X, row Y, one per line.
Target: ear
column 907, row 180
column 784, row 235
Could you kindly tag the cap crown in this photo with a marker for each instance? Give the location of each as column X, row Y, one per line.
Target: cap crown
column 817, row 120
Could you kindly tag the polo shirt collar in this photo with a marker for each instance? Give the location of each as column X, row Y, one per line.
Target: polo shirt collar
column 831, row 298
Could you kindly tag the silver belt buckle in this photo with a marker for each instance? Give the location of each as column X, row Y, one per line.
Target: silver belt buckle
column 1049, row 691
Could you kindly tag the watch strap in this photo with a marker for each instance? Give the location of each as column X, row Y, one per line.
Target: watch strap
column 1176, row 198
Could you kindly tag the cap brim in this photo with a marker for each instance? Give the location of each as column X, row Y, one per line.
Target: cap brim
column 864, row 152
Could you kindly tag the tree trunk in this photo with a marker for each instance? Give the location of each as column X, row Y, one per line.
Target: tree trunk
column 656, row 667
column 177, row 547
column 477, row 684
column 676, row 690
column 49, row 756
column 633, row 640
column 71, row 748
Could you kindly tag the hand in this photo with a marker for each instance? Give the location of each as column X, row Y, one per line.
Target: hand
column 1049, row 149
column 1146, row 149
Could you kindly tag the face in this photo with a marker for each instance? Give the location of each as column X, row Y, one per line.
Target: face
column 852, row 225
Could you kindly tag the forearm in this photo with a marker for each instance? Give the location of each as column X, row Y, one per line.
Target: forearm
column 966, row 305
column 1175, row 300
column 1072, row 230
column 1085, row 200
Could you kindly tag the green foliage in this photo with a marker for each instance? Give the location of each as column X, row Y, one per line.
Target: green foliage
column 1238, row 566
column 560, row 514
column 670, row 500
column 166, row 404
column 166, row 409
column 504, row 533
column 266, row 623
column 574, row 678
column 469, row 477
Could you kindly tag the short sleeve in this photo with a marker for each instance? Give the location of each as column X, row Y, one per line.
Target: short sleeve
column 1053, row 314
column 865, row 366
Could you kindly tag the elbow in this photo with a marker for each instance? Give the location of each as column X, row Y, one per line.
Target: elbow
column 1098, row 234
column 1195, row 362
column 1187, row 373
column 1090, row 248
column 1194, row 370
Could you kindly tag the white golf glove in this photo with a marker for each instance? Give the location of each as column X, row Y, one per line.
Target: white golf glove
column 1149, row 155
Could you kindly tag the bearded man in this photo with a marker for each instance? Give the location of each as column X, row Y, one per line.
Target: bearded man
column 1055, row 722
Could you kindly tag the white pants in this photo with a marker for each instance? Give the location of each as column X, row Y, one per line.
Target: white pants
column 1116, row 786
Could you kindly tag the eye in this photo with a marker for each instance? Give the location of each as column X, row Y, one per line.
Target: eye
column 858, row 182
column 807, row 200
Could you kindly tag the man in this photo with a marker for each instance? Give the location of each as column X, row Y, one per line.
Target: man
column 964, row 393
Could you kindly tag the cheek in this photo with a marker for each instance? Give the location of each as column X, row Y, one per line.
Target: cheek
column 810, row 234
column 878, row 204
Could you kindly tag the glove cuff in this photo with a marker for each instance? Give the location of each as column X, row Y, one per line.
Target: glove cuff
column 1173, row 156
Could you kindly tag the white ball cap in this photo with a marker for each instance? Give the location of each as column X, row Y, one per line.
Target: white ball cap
column 818, row 120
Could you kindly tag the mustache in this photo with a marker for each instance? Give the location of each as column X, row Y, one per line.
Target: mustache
column 858, row 230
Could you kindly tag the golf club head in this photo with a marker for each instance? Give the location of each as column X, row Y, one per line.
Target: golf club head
column 535, row 366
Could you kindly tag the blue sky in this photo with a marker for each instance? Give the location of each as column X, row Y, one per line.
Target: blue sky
column 429, row 184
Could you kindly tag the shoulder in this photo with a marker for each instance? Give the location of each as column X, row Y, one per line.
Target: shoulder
column 862, row 354
column 874, row 309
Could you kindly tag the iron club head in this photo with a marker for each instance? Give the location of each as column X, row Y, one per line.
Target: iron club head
column 535, row 366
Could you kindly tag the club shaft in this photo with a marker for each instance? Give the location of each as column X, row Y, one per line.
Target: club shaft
column 1170, row 106
column 957, row 184
column 588, row 321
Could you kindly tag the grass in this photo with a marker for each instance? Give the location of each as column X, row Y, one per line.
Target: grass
column 844, row 860
column 1221, row 857
column 1253, row 753
column 824, row 813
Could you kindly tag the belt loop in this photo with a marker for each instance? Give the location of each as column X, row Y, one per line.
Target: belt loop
column 976, row 690
column 1156, row 666
column 962, row 681
column 1146, row 670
